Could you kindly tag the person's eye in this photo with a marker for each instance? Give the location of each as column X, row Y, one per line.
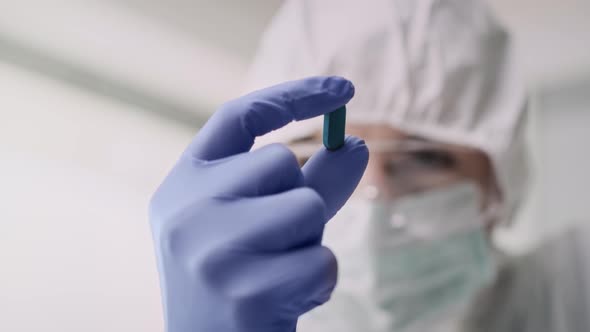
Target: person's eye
column 434, row 159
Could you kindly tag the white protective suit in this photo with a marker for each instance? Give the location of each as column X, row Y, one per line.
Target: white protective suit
column 444, row 70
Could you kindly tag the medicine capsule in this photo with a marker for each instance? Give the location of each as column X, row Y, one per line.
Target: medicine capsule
column 334, row 125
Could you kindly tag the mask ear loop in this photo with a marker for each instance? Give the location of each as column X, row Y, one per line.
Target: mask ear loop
column 492, row 214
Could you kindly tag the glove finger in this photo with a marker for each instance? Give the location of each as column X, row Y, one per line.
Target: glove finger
column 276, row 290
column 283, row 221
column 264, row 225
column 265, row 171
column 336, row 174
column 234, row 127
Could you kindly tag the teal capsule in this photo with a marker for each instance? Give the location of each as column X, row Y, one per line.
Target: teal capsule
column 334, row 125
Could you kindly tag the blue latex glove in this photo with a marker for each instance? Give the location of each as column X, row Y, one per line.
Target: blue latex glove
column 238, row 233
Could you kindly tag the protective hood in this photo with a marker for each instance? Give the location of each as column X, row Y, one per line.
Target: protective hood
column 444, row 70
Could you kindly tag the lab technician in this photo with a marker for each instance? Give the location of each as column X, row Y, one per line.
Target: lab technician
column 441, row 106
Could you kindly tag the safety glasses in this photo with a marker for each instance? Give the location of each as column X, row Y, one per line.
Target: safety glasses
column 403, row 165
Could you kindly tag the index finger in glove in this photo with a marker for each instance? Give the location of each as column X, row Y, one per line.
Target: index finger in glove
column 234, row 127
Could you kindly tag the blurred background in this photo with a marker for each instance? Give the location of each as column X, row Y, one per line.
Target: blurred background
column 98, row 98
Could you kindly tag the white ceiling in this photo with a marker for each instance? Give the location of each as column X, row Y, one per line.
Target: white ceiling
column 231, row 25
column 552, row 36
column 195, row 53
column 130, row 50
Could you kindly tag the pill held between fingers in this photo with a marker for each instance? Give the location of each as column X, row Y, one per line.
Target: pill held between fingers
column 334, row 126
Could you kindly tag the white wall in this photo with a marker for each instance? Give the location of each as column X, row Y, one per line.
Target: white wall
column 76, row 173
column 563, row 155
column 560, row 162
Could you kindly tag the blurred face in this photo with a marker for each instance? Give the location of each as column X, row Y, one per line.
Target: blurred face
column 400, row 164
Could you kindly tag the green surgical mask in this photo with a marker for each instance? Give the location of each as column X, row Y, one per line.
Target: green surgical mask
column 407, row 264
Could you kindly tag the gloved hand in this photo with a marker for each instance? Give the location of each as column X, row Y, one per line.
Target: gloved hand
column 238, row 233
